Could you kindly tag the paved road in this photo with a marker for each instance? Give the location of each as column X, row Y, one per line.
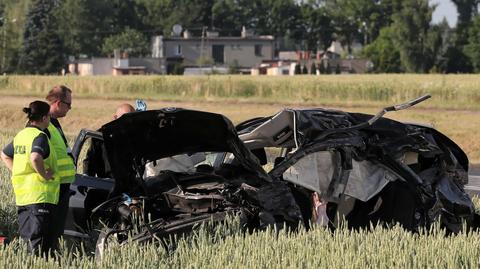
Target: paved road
column 473, row 187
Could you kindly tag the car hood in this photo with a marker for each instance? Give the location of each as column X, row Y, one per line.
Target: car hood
column 139, row 137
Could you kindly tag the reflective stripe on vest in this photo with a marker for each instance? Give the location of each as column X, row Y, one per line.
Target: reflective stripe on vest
column 66, row 168
column 29, row 187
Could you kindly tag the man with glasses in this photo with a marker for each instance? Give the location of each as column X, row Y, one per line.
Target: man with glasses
column 60, row 100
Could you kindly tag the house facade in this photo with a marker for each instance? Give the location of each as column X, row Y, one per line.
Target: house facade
column 243, row 51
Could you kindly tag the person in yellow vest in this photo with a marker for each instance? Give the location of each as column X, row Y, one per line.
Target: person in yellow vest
column 34, row 177
column 60, row 100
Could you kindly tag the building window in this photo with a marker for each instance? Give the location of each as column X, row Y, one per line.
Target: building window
column 178, row 50
column 218, row 54
column 258, row 50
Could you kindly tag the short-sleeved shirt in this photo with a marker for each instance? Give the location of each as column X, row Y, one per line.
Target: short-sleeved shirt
column 39, row 145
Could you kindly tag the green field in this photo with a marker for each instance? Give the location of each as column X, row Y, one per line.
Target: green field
column 454, row 110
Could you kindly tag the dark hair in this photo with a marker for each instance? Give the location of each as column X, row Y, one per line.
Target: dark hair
column 58, row 92
column 36, row 110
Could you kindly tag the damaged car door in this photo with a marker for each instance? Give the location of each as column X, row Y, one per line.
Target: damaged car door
column 92, row 185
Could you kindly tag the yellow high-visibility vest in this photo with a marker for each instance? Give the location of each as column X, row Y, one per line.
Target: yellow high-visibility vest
column 66, row 168
column 29, row 186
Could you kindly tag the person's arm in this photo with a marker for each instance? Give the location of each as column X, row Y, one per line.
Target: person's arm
column 38, row 165
column 7, row 155
column 7, row 160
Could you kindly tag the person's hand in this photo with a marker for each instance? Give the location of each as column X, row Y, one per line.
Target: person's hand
column 49, row 174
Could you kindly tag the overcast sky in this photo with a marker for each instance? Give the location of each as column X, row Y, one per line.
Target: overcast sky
column 445, row 9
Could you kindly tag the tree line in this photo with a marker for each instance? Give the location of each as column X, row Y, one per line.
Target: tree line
column 37, row 36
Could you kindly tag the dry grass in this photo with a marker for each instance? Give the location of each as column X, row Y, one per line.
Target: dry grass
column 449, row 91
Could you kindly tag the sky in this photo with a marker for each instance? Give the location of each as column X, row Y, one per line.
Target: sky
column 445, row 9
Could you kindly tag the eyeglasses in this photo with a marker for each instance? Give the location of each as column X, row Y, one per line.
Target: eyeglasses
column 69, row 105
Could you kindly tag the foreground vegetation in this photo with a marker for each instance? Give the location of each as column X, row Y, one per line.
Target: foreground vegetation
column 227, row 246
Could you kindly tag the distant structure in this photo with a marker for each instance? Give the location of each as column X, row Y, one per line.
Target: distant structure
column 212, row 50
column 121, row 64
column 182, row 52
column 321, row 62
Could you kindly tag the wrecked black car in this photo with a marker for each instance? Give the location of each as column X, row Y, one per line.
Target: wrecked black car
column 155, row 173
column 363, row 168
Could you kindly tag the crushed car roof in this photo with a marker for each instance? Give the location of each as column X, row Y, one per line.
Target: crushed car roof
column 139, row 137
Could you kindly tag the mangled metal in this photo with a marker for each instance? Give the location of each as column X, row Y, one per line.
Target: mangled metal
column 171, row 169
column 170, row 175
column 369, row 169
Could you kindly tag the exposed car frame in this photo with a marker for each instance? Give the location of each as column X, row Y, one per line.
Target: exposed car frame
column 172, row 202
column 368, row 169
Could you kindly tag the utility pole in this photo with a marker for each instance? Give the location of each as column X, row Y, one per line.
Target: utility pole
column 201, row 46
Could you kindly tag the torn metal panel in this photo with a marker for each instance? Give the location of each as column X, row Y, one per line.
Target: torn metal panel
column 173, row 169
column 377, row 163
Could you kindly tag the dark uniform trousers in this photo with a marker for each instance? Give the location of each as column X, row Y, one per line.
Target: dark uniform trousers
column 61, row 211
column 34, row 226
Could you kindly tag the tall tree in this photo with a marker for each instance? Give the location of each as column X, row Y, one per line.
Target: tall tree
column 42, row 50
column 411, row 25
column 11, row 33
column 344, row 21
column 317, row 27
column 277, row 17
column 229, row 16
column 84, row 24
column 384, row 53
column 161, row 15
column 131, row 41
column 466, row 10
column 473, row 47
column 458, row 58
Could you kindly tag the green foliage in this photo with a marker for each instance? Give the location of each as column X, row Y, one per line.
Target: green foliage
column 11, row 33
column 162, row 15
column 317, row 28
column 466, row 10
column 277, row 18
column 383, row 52
column 229, row 16
column 84, row 27
column 411, row 25
column 131, row 41
column 79, row 26
column 42, row 49
column 473, row 47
